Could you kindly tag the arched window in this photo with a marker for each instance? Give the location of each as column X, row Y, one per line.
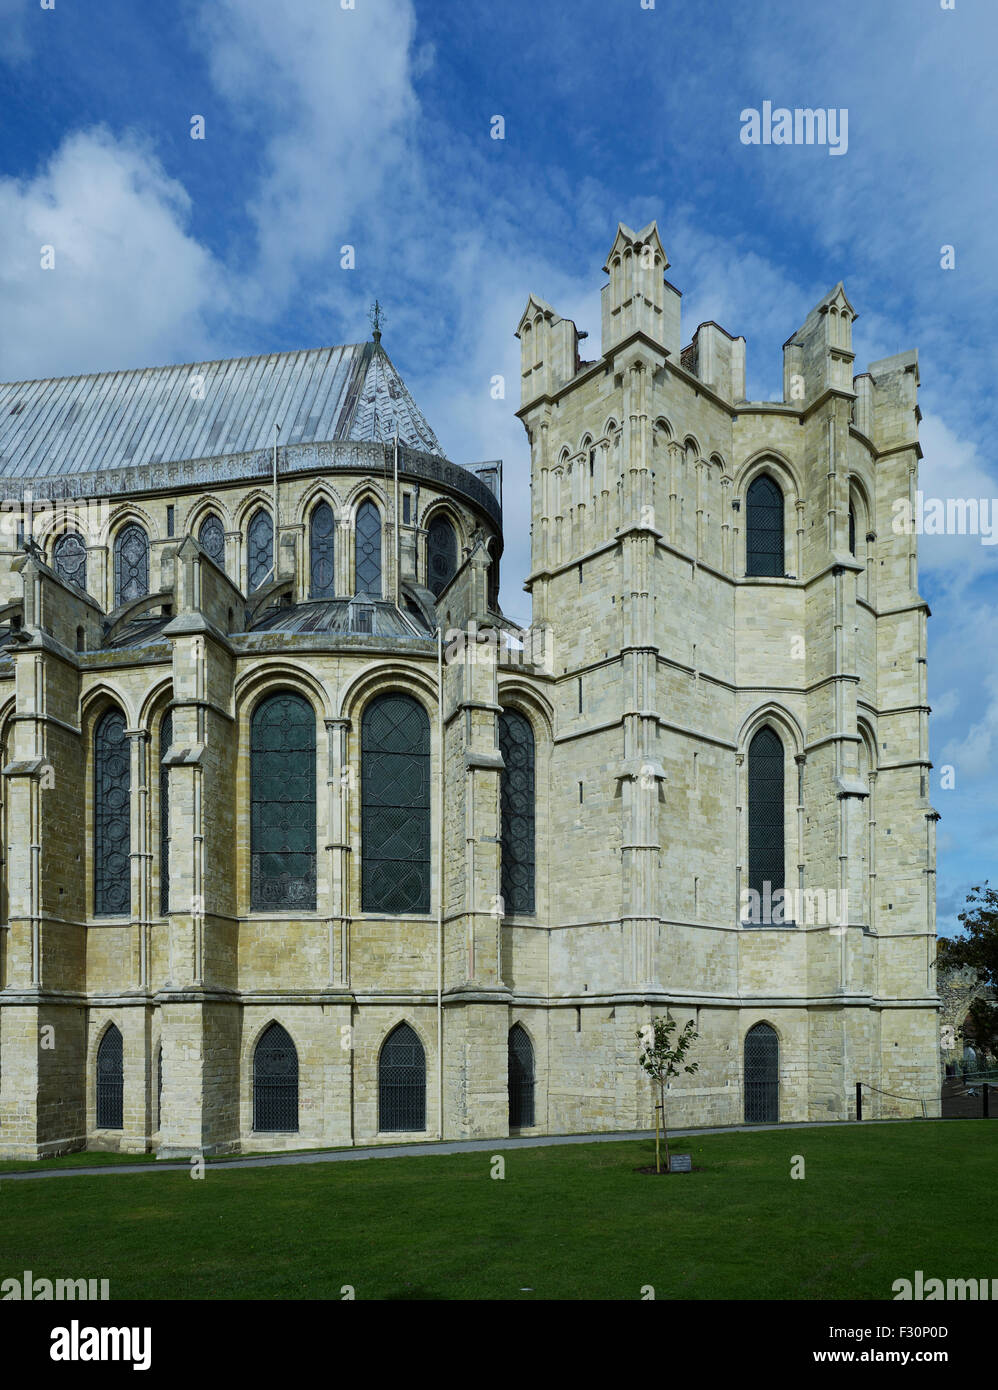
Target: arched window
column 852, row 529
column 395, row 806
column 69, row 559
column 282, row 804
column 521, row 1078
column 441, row 555
column 159, row 1087
column 368, row 550
column 275, row 1082
column 402, row 1082
column 516, row 802
column 211, row 538
column 131, row 564
column 110, row 1080
column 762, row 1075
column 112, row 811
column 260, row 539
column 766, row 813
column 321, row 552
column 165, row 743
column 764, row 552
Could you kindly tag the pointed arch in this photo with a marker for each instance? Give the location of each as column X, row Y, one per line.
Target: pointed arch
column 395, row 805
column 275, row 1082
column 521, row 1078
column 517, row 797
column 69, row 559
column 110, row 1079
column 766, row 813
column 441, row 553
column 762, row 1074
column 402, row 1082
column 165, row 744
column 211, row 538
column 112, row 816
column 282, row 804
column 367, row 550
column 259, row 549
column 765, row 535
column 131, row 563
column 322, row 550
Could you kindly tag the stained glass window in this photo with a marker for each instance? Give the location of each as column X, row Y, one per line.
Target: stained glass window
column 261, row 548
column 516, row 801
column 282, row 793
column 131, row 564
column 764, row 552
column 69, row 559
column 521, row 1078
column 368, row 550
column 402, row 1082
column 165, row 742
column 112, row 808
column 852, row 529
column 211, row 538
column 275, row 1082
column 395, row 806
column 110, row 1080
column 441, row 555
column 766, row 812
column 321, row 550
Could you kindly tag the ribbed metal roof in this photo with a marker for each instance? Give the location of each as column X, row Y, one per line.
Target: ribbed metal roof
column 84, row 424
column 341, row 616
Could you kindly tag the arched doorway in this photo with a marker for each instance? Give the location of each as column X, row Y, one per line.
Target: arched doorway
column 521, row 1078
column 762, row 1075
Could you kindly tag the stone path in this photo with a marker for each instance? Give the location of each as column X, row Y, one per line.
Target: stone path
column 460, row 1146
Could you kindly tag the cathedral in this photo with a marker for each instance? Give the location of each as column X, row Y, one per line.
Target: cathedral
column 305, row 844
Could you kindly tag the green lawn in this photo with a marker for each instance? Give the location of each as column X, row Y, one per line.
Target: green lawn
column 572, row 1222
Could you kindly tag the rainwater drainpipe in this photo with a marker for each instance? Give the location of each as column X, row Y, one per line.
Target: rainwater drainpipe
column 440, row 885
column 398, row 527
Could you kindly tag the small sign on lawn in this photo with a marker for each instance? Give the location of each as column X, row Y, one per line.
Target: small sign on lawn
column 680, row 1164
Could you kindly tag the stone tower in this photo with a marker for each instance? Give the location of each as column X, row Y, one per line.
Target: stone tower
column 675, row 647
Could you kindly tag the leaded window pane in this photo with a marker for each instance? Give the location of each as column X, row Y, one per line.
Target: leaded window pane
column 321, row 550
column 112, row 808
column 260, row 540
column 131, row 564
column 395, row 806
column 441, row 555
column 70, row 559
column 764, row 550
column 368, row 550
column 110, row 1080
column 521, row 1078
column 402, row 1082
column 762, row 1075
column 282, row 809
column 766, row 812
column 275, row 1082
column 852, row 530
column 211, row 538
column 516, row 803
column 165, row 743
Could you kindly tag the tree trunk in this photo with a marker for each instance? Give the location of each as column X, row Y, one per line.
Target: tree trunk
column 665, row 1136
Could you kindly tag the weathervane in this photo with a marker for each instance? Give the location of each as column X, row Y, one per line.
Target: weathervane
column 376, row 315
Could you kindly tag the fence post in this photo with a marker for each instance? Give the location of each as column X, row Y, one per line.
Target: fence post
column 859, row 1100
column 985, row 1113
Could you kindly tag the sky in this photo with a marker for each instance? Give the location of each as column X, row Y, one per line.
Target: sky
column 331, row 123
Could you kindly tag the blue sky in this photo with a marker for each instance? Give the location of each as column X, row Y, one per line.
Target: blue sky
column 370, row 127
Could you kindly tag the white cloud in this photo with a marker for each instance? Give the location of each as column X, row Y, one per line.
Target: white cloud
column 129, row 285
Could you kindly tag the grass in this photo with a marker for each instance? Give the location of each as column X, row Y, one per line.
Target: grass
column 571, row 1222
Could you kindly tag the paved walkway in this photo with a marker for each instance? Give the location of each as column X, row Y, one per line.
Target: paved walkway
column 458, row 1146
